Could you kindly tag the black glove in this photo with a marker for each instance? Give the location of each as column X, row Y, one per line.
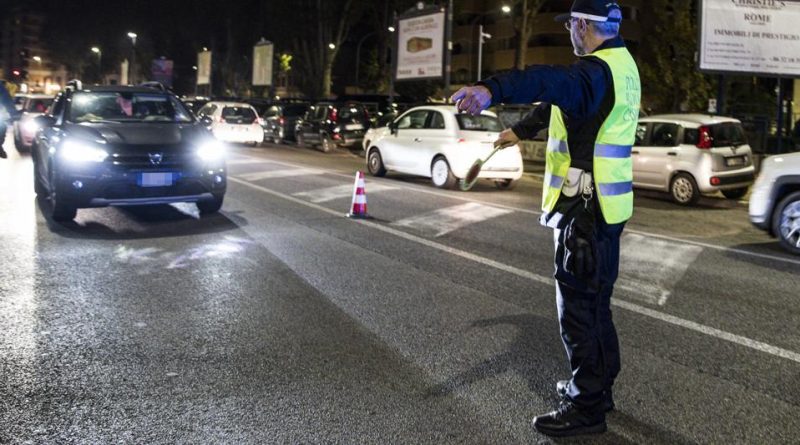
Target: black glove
column 579, row 258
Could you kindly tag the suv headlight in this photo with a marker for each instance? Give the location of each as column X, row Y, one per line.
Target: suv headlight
column 77, row 151
column 30, row 126
column 211, row 151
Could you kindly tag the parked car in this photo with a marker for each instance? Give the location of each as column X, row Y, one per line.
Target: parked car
column 235, row 122
column 332, row 124
column 25, row 127
column 280, row 120
column 775, row 201
column 194, row 104
column 377, row 128
column 438, row 143
column 689, row 155
column 123, row 146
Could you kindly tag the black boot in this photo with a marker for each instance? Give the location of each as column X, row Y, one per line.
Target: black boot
column 3, row 154
column 608, row 399
column 569, row 420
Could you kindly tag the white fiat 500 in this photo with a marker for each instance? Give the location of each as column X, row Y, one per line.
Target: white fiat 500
column 233, row 122
column 438, row 143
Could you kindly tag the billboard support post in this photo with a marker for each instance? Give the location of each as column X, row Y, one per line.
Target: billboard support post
column 448, row 51
column 780, row 115
column 721, row 94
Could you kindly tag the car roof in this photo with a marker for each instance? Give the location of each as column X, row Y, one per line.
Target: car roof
column 120, row 89
column 446, row 109
column 691, row 119
column 230, row 104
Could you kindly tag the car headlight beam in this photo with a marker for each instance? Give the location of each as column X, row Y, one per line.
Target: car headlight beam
column 30, row 126
column 211, row 151
column 76, row 151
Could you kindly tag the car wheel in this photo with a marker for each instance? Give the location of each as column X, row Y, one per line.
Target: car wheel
column 38, row 186
column 60, row 209
column 441, row 175
column 209, row 207
column 375, row 163
column 786, row 223
column 505, row 184
column 684, row 189
column 735, row 193
column 18, row 143
column 279, row 138
column 327, row 144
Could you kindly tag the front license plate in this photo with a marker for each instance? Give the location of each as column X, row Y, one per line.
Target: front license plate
column 733, row 162
column 353, row 127
column 156, row 179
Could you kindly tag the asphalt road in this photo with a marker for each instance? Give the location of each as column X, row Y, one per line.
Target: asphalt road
column 281, row 321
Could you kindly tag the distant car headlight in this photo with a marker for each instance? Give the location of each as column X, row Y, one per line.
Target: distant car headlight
column 77, row 151
column 211, row 151
column 30, row 126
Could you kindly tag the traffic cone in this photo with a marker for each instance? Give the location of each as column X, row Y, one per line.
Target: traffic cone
column 359, row 207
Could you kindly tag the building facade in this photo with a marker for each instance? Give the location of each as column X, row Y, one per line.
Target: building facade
column 24, row 59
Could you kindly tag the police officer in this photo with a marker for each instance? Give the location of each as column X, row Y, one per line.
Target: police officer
column 591, row 109
column 8, row 103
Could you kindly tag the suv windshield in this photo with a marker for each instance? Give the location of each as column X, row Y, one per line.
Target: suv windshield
column 468, row 122
column 126, row 107
column 238, row 115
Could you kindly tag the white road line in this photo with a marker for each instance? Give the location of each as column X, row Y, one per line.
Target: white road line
column 653, row 266
column 274, row 174
column 687, row 324
column 443, row 221
column 248, row 160
column 534, row 212
column 338, row 192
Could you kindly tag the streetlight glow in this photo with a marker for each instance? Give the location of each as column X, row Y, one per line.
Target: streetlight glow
column 331, row 46
column 132, row 35
column 37, row 59
column 96, row 50
column 391, row 29
column 506, row 9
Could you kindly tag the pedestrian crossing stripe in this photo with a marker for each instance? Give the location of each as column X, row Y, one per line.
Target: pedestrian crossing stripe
column 339, row 192
column 443, row 221
column 275, row 174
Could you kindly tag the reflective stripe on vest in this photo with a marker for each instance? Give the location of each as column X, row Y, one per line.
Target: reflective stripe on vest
column 613, row 167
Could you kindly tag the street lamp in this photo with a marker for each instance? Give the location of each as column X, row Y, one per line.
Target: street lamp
column 506, row 9
column 332, row 46
column 391, row 29
column 131, row 70
column 37, row 59
column 99, row 53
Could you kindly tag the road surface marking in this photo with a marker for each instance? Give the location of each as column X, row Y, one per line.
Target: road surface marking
column 274, row 174
column 443, row 221
column 653, row 266
column 641, row 310
column 247, row 160
column 537, row 213
column 338, row 192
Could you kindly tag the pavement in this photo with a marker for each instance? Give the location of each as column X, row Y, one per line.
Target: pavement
column 281, row 321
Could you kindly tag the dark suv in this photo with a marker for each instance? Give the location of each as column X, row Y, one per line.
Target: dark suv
column 280, row 120
column 123, row 145
column 331, row 124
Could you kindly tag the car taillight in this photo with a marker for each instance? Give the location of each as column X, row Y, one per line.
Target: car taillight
column 704, row 139
column 281, row 121
column 461, row 140
column 260, row 121
column 221, row 120
column 334, row 115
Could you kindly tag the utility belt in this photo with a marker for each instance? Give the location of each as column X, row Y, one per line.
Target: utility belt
column 577, row 194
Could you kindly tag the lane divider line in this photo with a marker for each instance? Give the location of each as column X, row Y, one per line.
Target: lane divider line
column 635, row 308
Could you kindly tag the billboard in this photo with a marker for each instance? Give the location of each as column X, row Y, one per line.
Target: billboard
column 758, row 37
column 161, row 70
column 262, row 63
column 421, row 47
column 204, row 68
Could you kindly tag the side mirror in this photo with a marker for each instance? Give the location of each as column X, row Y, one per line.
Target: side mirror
column 44, row 121
column 206, row 120
column 392, row 128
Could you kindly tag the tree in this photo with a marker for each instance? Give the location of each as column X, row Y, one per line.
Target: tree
column 526, row 11
column 670, row 78
column 327, row 25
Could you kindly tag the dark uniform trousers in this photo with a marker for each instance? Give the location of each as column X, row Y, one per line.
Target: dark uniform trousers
column 584, row 315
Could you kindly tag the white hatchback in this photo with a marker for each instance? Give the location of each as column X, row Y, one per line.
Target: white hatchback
column 438, row 143
column 233, row 122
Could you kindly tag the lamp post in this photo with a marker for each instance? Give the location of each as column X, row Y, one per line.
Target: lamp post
column 99, row 53
column 481, row 36
column 131, row 70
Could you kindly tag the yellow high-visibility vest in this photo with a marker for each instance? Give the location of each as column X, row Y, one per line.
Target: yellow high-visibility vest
column 612, row 165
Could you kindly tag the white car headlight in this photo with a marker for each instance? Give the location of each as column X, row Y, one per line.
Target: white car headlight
column 211, row 151
column 77, row 151
column 30, row 126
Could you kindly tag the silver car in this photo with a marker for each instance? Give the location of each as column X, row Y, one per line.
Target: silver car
column 692, row 154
